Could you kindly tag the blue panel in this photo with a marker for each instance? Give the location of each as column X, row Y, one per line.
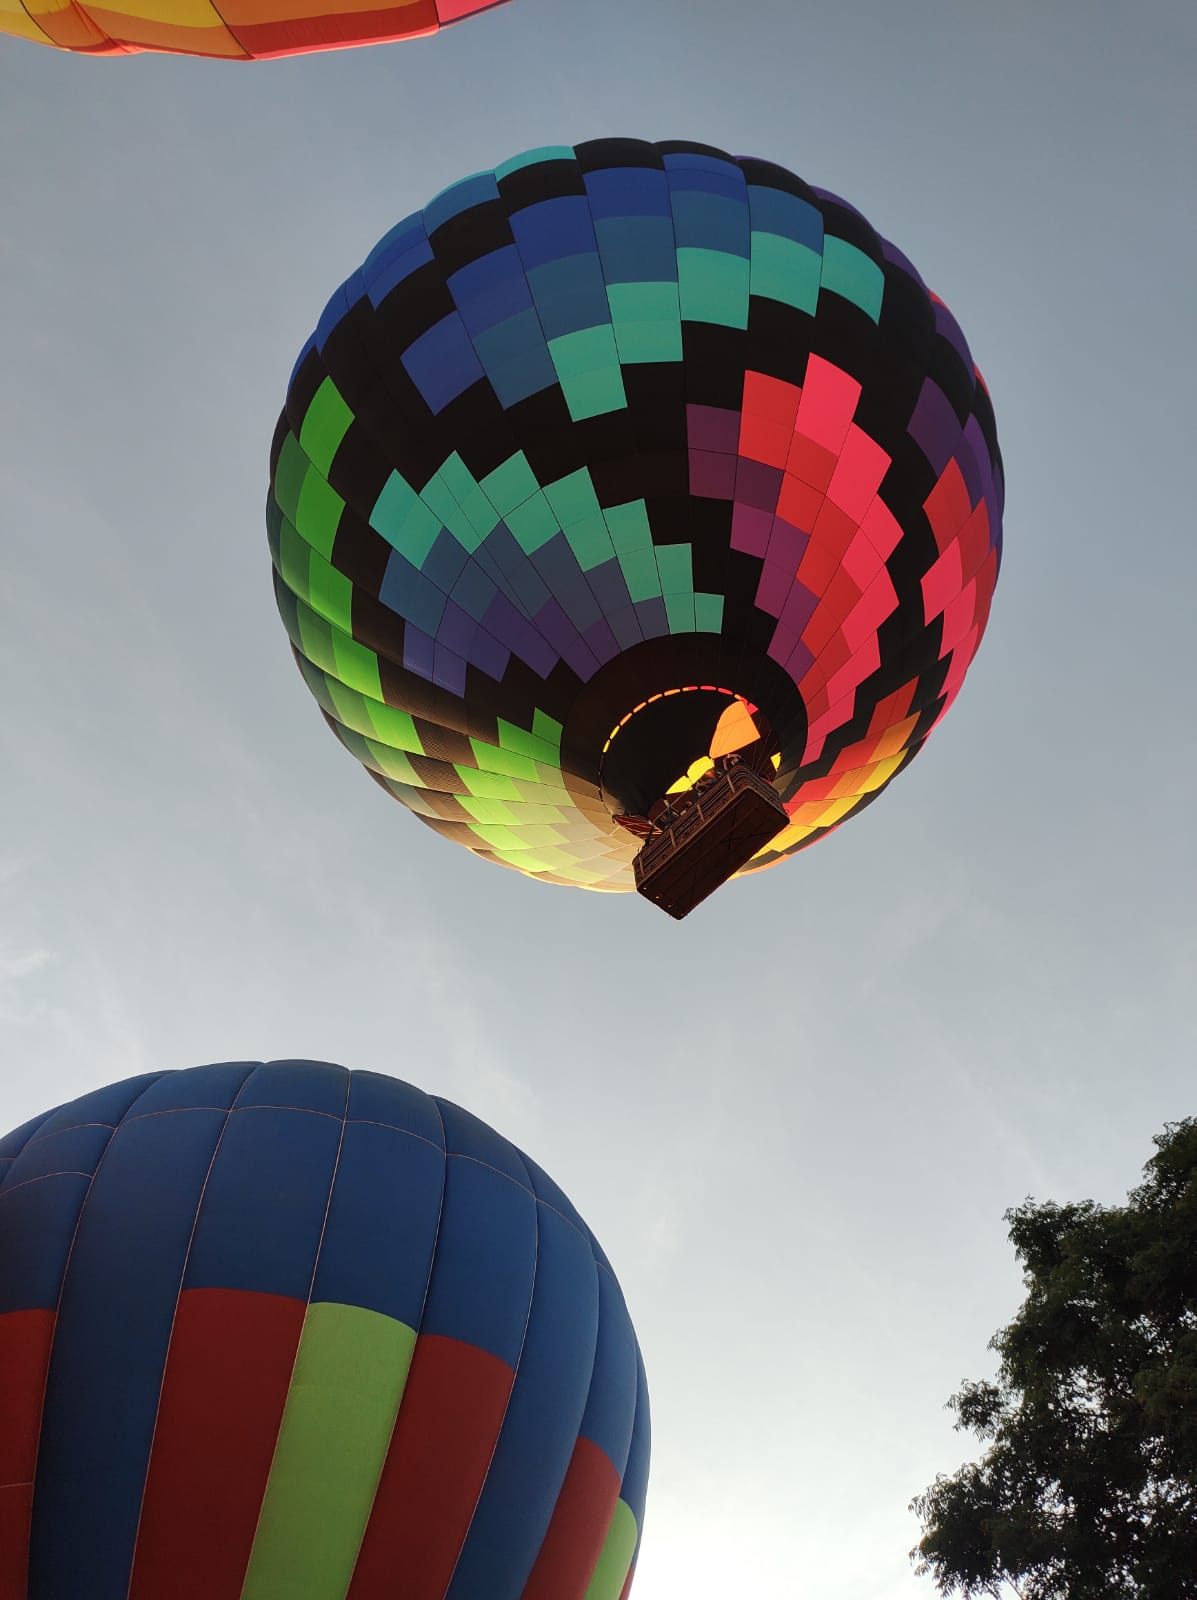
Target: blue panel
column 394, row 268
column 570, row 294
column 298, row 1085
column 374, row 1097
column 264, row 1206
column 540, row 1429
column 474, row 591
column 610, row 588
column 611, row 1404
column 215, row 1087
column 37, row 1224
column 628, row 192
column 75, row 1150
column 485, row 1261
column 773, row 211
column 444, row 562
column 382, row 1223
column 466, row 1135
column 442, row 363
column 110, row 1343
column 635, row 1477
column 711, row 222
column 13, row 1143
column 638, row 250
column 334, row 311
column 545, row 1189
column 490, row 290
column 552, row 229
column 516, row 359
column 475, row 190
column 558, row 566
column 106, row 1105
column 526, row 584
column 397, row 239
column 690, row 165
column 407, row 592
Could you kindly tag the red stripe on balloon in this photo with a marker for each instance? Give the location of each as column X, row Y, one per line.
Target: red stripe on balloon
column 449, row 1421
column 627, row 1588
column 335, row 30
column 575, row 1536
column 227, row 1374
column 25, row 1340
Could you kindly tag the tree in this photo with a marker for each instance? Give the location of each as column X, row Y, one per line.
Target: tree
column 1088, row 1487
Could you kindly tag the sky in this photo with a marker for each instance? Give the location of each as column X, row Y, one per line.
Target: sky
column 795, row 1120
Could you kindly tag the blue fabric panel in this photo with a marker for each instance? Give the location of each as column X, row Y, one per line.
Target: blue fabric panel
column 711, row 221
column 106, row 1105
column 298, row 1085
column 490, row 290
column 570, row 294
column 396, row 239
column 75, row 1150
column 558, row 566
column 611, row 1405
column 214, row 1088
column 373, row 1097
column 692, row 163
column 310, row 344
column 114, row 1323
column 516, row 359
column 773, row 211
column 545, row 1189
column 610, row 587
column 37, row 1224
column 475, row 190
column 540, row 1429
column 552, row 229
column 446, row 560
column 13, row 1143
column 474, row 591
column 409, row 594
column 465, row 1135
column 442, row 363
column 638, row 250
column 337, row 307
column 635, row 1476
column 485, row 1261
column 382, row 1223
column 392, row 269
column 527, row 586
column 628, row 192
column 264, row 1206
column 624, row 623
column 485, row 561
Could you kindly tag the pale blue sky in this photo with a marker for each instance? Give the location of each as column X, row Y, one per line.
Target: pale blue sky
column 795, row 1120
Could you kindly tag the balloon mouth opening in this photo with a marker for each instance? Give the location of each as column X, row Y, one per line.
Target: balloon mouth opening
column 672, row 745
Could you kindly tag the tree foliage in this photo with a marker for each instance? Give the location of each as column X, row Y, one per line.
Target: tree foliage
column 1087, row 1489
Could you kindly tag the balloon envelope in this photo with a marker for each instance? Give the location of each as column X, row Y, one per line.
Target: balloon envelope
column 238, row 31
column 284, row 1329
column 615, row 460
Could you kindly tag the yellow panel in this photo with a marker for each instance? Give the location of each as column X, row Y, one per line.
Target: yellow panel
column 16, row 20
column 733, row 731
column 882, row 773
column 169, row 14
column 834, row 812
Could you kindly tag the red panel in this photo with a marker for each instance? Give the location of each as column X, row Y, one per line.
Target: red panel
column 627, row 1588
column 762, row 439
column 798, row 503
column 773, row 398
column 25, row 1340
column 811, row 462
column 948, row 505
column 265, row 39
column 575, row 1536
column 448, row 1424
column 227, row 1374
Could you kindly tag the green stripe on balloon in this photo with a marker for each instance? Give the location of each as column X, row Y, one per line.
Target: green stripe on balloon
column 615, row 1558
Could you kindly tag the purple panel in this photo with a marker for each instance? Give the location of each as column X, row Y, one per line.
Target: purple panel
column 713, row 428
column 798, row 609
column 934, row 426
column 758, row 485
column 457, row 629
column 514, row 630
column 712, row 476
column 488, row 655
column 900, row 259
column 581, row 660
column 625, row 625
column 783, row 644
column 750, row 530
column 418, row 650
column 553, row 624
column 609, row 586
column 448, row 670
column 947, row 326
column 601, row 641
column 799, row 661
column 653, row 617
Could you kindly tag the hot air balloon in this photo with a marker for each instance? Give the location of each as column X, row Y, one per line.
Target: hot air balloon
column 635, row 514
column 237, row 30
column 285, row 1329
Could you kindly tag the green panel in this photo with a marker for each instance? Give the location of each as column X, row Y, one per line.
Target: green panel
column 629, row 525
column 590, row 541
column 394, row 727
column 530, row 158
column 611, row 1571
column 679, row 608
column 521, row 742
column 293, row 467
column 491, row 758
column 547, row 728
column 587, row 364
column 445, row 492
column 533, row 523
column 356, row 665
column 713, row 286
column 293, row 559
column 318, row 513
column 348, row 1380
column 573, row 497
column 640, row 573
column 783, row 269
column 488, row 811
column 330, row 592
column 349, row 707
column 404, row 521
column 673, row 563
column 647, row 320
column 510, row 484
column 393, row 764
column 325, row 425
column 849, row 272
column 487, row 785
column 708, row 613
column 315, row 638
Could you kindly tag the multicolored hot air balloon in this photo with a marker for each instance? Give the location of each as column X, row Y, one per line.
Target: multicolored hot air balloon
column 283, row 1329
column 234, row 30
column 635, row 514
